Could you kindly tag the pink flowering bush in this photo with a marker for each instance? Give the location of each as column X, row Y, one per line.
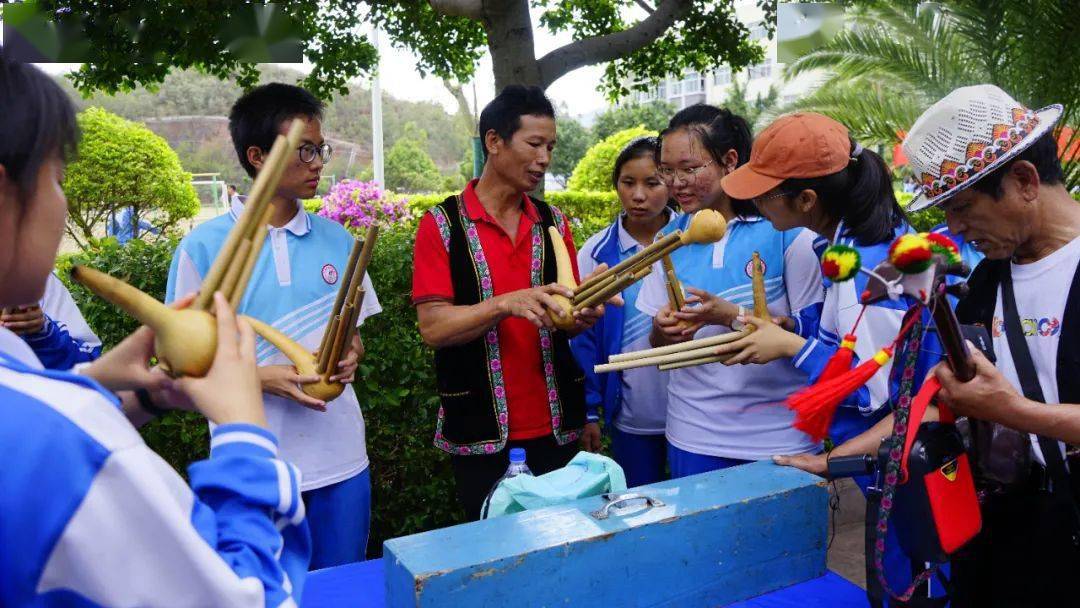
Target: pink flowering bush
column 356, row 204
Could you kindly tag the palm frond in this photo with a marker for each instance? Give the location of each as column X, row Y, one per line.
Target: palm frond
column 872, row 111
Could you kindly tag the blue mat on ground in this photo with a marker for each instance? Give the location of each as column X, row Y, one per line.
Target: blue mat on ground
column 361, row 585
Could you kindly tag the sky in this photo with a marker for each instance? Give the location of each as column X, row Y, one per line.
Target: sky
column 577, row 90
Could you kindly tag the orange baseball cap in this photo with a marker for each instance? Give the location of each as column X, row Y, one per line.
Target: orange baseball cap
column 799, row 145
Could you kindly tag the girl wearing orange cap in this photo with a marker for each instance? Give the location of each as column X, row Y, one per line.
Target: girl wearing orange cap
column 722, row 416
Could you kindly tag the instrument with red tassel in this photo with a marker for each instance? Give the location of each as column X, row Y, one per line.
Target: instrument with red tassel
column 917, row 262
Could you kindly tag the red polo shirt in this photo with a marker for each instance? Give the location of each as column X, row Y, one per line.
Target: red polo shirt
column 509, row 260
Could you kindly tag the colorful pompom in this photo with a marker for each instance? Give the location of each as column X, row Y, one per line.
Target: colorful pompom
column 840, row 263
column 911, row 253
column 943, row 246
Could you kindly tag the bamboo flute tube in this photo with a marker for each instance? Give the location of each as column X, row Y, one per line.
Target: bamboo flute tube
column 350, row 329
column 600, row 296
column 334, row 354
column 683, row 346
column 675, row 293
column 581, row 295
column 346, row 280
column 686, row 355
column 366, row 251
column 638, row 266
column 757, row 278
column 666, row 243
column 261, row 192
column 328, row 337
column 693, row 362
column 257, row 241
column 229, row 281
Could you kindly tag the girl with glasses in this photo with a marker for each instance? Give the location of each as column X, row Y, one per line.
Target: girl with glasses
column 722, row 416
column 634, row 401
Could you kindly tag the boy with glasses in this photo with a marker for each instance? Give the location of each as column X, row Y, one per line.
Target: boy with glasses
column 293, row 288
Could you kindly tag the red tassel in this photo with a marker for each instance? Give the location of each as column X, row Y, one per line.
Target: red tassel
column 816, row 405
column 841, row 360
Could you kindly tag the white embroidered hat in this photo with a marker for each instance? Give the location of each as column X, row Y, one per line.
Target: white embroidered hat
column 966, row 135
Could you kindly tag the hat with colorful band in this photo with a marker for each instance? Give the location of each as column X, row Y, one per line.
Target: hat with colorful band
column 966, row 135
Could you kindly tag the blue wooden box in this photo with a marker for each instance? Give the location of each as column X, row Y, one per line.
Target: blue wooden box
column 719, row 537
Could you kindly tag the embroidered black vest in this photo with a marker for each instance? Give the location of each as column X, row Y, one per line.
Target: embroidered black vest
column 473, row 416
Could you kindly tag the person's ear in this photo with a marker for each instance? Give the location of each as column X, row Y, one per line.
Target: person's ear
column 256, row 157
column 492, row 142
column 805, row 201
column 1026, row 177
column 730, row 160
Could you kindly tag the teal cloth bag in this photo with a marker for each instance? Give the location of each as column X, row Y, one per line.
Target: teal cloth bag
column 585, row 475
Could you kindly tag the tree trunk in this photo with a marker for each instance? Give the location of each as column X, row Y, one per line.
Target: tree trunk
column 510, row 40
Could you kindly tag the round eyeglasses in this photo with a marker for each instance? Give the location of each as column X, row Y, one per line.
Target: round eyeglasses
column 308, row 152
column 687, row 175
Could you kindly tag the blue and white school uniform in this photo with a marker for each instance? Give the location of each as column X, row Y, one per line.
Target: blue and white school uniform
column 90, row 516
column 634, row 401
column 65, row 340
column 737, row 413
column 292, row 288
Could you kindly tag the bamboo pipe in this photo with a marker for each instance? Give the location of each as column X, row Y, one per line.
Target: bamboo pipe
column 675, row 357
column 257, row 241
column 613, row 287
column 184, row 340
column 565, row 277
column 757, row 280
column 232, row 275
column 325, row 352
column 675, row 293
column 333, row 355
column 346, row 279
column 693, row 362
column 302, row 360
column 664, row 243
column 681, row 347
column 350, row 329
column 261, row 192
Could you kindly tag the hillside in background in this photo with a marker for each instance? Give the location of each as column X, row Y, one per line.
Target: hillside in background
column 189, row 110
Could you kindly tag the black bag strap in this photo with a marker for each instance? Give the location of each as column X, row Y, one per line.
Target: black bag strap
column 1029, row 383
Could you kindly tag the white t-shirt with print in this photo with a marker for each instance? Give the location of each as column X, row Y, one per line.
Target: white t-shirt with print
column 1041, row 289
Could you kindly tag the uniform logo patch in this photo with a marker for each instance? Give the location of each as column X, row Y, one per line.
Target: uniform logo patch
column 329, row 274
column 750, row 267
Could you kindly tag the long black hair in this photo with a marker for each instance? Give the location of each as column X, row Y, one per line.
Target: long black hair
column 718, row 130
column 37, row 120
column 860, row 194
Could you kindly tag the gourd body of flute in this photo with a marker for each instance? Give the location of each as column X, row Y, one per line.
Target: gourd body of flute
column 564, row 276
column 184, row 340
column 305, row 362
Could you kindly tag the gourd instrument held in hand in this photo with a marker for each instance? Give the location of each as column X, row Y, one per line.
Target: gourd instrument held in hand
column 694, row 352
column 707, row 226
column 339, row 327
column 185, row 340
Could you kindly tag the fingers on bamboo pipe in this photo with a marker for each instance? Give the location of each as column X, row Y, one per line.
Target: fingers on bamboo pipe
column 301, row 359
column 694, row 362
column 564, row 275
column 339, row 340
column 185, row 340
column 682, row 346
column 339, row 300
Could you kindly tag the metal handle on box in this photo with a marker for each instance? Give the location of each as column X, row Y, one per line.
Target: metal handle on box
column 615, row 500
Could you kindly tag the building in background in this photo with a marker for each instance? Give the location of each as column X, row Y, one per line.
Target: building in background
column 716, row 87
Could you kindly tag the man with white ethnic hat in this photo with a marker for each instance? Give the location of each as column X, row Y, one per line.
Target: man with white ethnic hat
column 991, row 164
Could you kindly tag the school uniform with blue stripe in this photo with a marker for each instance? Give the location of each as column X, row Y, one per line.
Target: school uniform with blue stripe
column 738, row 412
column 293, row 287
column 92, row 517
column 634, row 401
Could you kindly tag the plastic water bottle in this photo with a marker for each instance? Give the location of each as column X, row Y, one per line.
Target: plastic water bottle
column 517, row 464
column 517, row 467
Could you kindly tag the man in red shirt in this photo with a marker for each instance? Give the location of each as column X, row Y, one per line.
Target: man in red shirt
column 483, row 280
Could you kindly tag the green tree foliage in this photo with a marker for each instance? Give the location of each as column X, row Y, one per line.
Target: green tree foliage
column 653, row 115
column 896, row 60
column 594, row 170
column 408, row 168
column 448, row 36
column 123, row 164
column 572, row 143
column 754, row 109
